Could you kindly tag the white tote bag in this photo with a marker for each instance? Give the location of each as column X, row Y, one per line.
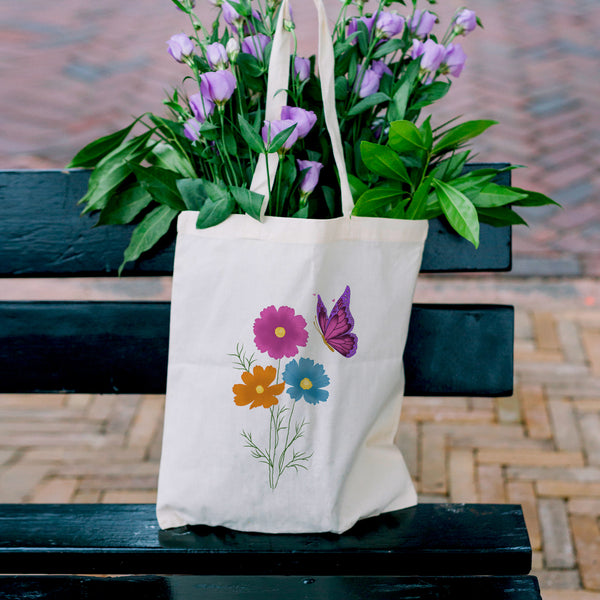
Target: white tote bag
column 285, row 377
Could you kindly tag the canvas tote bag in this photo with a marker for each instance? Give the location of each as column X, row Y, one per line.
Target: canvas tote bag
column 285, row 376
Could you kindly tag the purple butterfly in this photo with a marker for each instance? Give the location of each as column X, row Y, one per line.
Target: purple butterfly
column 336, row 329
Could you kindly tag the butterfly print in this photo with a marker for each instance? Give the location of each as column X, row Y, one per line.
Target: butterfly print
column 336, row 329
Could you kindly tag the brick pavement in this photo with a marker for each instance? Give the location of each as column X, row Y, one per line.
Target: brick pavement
column 539, row 448
column 77, row 72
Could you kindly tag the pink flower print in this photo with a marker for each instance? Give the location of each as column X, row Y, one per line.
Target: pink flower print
column 279, row 332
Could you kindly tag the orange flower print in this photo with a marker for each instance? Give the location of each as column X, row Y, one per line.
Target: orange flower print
column 257, row 389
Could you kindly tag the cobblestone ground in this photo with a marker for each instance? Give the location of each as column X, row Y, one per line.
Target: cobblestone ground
column 78, row 71
column 539, row 448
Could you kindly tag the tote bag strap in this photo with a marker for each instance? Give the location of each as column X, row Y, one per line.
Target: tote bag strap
column 277, row 83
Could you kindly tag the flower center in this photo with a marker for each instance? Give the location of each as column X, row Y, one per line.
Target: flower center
column 280, row 332
column 260, row 389
column 306, row 384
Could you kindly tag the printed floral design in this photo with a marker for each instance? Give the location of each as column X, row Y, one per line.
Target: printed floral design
column 257, row 389
column 306, row 380
column 279, row 332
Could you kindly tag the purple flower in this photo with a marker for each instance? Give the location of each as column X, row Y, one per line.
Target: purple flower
column 272, row 128
column 279, row 332
column 431, row 54
column 180, row 46
column 454, row 59
column 217, row 86
column 304, row 119
column 191, row 129
column 311, row 177
column 353, row 25
column 389, row 24
column 465, row 21
column 421, row 23
column 302, row 68
column 367, row 82
column 202, row 107
column 217, row 56
column 232, row 17
column 381, row 68
column 255, row 45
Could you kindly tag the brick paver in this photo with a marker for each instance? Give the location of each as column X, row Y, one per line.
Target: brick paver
column 539, row 448
column 77, row 72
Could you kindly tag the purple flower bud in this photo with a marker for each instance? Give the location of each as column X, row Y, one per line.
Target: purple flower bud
column 465, row 22
column 367, row 82
column 311, row 177
column 302, row 68
column 381, row 68
column 389, row 24
column 179, row 46
column 304, row 119
column 202, row 107
column 272, row 128
column 191, row 129
column 232, row 17
column 421, row 23
column 217, row 56
column 232, row 48
column 454, row 59
column 217, row 86
column 353, row 25
column 255, row 45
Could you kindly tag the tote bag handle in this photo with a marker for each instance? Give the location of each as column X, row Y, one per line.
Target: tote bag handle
column 277, row 83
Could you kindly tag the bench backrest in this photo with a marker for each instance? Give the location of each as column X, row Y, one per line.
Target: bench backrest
column 88, row 346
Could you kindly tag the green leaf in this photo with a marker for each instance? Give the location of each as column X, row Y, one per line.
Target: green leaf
column 161, row 184
column 383, row 161
column 397, row 109
column 357, row 187
column 501, row 216
column 329, row 195
column 124, row 207
column 167, row 157
column 493, row 195
column 341, row 88
column 405, row 137
column 459, row 211
column 192, row 192
column 449, row 168
column 113, row 170
column 251, row 136
column 218, row 206
column 428, row 94
column 387, row 48
column 250, row 65
column 460, row 134
column 367, row 103
column 373, row 200
column 363, row 37
column 533, row 198
column 279, row 140
column 251, row 202
column 89, row 156
column 151, row 229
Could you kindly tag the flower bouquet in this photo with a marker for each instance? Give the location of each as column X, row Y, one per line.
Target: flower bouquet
column 389, row 66
column 302, row 189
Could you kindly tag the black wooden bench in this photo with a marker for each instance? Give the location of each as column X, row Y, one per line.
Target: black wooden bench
column 429, row 551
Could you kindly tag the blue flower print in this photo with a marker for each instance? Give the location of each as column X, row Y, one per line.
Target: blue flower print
column 306, row 380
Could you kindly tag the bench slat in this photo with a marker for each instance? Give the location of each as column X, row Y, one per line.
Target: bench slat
column 121, row 347
column 429, row 539
column 43, row 234
column 273, row 587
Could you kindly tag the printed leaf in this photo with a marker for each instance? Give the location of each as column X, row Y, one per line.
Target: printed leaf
column 367, row 103
column 151, row 229
column 459, row 211
column 405, row 137
column 124, row 207
column 89, row 156
column 250, row 202
column 462, row 133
